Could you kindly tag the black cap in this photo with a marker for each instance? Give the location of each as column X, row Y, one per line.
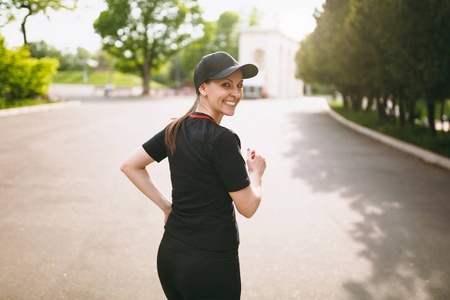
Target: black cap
column 219, row 65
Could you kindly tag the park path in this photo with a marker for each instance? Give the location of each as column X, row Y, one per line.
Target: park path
column 343, row 217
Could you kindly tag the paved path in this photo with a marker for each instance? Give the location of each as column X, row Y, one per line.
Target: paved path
column 343, row 217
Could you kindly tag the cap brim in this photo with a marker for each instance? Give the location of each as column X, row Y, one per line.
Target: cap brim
column 248, row 71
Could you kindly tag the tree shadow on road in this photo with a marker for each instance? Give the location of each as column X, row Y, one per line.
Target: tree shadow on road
column 403, row 203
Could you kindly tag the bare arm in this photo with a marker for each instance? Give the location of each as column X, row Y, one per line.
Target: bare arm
column 134, row 167
column 248, row 199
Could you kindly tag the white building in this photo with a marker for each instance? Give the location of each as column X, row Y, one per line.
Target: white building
column 274, row 54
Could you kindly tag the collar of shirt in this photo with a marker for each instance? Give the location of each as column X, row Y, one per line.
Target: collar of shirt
column 201, row 116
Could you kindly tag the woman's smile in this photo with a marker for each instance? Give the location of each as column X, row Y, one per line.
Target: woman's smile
column 232, row 103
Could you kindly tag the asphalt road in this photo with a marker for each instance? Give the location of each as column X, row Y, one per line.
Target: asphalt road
column 342, row 217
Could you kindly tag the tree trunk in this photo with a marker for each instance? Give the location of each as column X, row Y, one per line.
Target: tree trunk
column 146, row 79
column 22, row 26
column 146, row 68
column 431, row 106
column 345, row 99
column 381, row 108
column 356, row 102
column 411, row 111
column 401, row 106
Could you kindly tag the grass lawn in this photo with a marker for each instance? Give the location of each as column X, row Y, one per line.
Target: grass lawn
column 413, row 134
column 102, row 78
column 76, row 77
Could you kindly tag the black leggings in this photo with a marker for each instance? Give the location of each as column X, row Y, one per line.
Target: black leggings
column 186, row 272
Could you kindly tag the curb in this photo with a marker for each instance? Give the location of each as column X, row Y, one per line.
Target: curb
column 425, row 155
column 35, row 108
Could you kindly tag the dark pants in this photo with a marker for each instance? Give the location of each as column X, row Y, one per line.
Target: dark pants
column 186, row 272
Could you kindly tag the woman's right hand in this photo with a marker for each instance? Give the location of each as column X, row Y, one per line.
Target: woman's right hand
column 248, row 199
column 256, row 163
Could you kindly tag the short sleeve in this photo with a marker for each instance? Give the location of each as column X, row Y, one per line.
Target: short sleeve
column 229, row 163
column 156, row 147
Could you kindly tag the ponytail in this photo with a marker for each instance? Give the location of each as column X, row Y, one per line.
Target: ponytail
column 172, row 129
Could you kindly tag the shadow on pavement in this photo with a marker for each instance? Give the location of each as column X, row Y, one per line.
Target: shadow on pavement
column 403, row 204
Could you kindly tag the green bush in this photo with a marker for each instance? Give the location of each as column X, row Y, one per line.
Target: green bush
column 22, row 76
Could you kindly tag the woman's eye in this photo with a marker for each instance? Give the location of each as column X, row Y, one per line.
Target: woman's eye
column 226, row 84
column 240, row 86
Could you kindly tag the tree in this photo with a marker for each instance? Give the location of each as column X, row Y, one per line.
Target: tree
column 33, row 7
column 330, row 55
column 42, row 49
column 409, row 43
column 431, row 22
column 143, row 34
column 393, row 51
column 67, row 60
column 222, row 35
column 255, row 17
column 193, row 53
column 227, row 36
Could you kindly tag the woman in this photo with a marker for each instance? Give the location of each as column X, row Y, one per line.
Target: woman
column 198, row 254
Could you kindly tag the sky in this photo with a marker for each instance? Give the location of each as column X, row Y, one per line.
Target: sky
column 72, row 29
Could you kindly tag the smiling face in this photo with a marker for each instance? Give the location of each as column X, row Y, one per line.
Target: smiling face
column 220, row 97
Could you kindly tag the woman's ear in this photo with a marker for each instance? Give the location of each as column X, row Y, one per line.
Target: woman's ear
column 202, row 89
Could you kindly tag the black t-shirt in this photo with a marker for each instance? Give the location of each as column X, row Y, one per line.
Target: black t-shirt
column 205, row 167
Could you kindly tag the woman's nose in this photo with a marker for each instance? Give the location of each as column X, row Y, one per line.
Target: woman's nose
column 237, row 92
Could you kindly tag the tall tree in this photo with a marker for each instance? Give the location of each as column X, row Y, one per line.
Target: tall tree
column 330, row 55
column 143, row 34
column 221, row 35
column 33, row 7
column 193, row 53
column 227, row 36
column 431, row 23
column 410, row 50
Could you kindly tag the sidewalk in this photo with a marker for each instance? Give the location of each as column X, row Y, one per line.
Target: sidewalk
column 83, row 91
column 44, row 107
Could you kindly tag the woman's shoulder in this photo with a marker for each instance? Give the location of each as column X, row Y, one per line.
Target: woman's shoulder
column 219, row 131
column 225, row 135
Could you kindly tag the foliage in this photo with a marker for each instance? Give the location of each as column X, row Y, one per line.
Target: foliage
column 221, row 35
column 143, row 34
column 190, row 55
column 33, row 7
column 67, row 61
column 22, row 76
column 392, row 52
column 227, row 35
column 255, row 17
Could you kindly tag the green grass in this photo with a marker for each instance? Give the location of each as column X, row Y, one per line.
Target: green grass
column 22, row 103
column 421, row 108
column 76, row 77
column 102, row 78
column 413, row 134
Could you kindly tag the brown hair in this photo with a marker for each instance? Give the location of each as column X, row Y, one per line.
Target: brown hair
column 172, row 129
